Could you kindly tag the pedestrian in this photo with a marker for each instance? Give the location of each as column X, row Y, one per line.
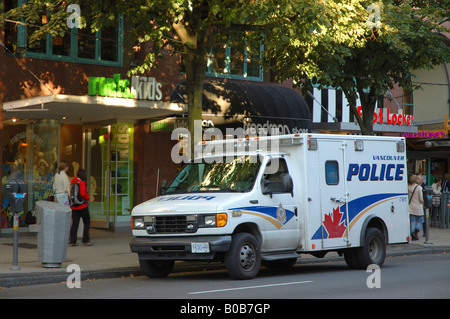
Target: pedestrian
column 81, row 211
column 61, row 184
column 415, row 206
column 436, row 188
column 426, row 203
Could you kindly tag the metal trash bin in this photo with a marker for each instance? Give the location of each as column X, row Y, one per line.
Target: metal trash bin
column 53, row 222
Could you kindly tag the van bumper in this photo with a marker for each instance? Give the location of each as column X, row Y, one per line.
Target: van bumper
column 178, row 248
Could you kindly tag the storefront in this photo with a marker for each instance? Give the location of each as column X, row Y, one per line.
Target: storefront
column 256, row 108
column 96, row 133
column 429, row 151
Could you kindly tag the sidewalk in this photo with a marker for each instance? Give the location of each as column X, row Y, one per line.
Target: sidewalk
column 110, row 257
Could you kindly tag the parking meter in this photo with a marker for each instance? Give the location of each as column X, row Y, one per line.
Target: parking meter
column 427, row 202
column 427, row 196
column 16, row 192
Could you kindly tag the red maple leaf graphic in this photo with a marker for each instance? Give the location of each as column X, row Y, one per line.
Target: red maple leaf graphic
column 333, row 224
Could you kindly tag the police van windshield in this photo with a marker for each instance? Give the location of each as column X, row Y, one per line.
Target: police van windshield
column 235, row 174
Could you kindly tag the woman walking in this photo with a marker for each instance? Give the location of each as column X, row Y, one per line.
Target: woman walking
column 415, row 206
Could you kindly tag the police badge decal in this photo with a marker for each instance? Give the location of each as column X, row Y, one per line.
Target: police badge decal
column 281, row 214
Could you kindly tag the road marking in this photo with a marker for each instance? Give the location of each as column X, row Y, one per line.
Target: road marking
column 249, row 287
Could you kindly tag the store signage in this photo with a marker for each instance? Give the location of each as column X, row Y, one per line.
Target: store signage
column 425, row 134
column 171, row 123
column 386, row 117
column 168, row 124
column 271, row 129
column 142, row 87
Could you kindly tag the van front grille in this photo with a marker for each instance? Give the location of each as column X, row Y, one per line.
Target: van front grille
column 171, row 224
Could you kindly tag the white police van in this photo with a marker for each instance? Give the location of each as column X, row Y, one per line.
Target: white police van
column 267, row 200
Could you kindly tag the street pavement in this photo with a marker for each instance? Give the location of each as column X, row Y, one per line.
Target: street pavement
column 110, row 257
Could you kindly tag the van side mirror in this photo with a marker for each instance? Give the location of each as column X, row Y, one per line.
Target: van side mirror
column 264, row 189
column 287, row 185
column 163, row 188
column 284, row 185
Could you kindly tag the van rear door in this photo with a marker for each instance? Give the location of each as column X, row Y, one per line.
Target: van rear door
column 333, row 193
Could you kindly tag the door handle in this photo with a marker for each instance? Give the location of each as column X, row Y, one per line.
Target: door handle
column 336, row 200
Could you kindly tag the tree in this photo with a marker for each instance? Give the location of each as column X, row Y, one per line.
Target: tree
column 360, row 47
column 187, row 27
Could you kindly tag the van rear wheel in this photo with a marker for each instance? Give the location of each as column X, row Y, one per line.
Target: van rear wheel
column 373, row 249
column 244, row 257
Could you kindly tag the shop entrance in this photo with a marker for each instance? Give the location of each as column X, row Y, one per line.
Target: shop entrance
column 108, row 160
column 96, row 160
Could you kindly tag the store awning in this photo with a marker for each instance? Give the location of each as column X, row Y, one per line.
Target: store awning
column 232, row 101
column 75, row 109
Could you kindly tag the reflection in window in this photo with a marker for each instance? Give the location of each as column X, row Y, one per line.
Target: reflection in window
column 109, row 44
column 221, row 175
column 239, row 58
column 102, row 47
column 332, row 172
column 237, row 52
column 40, row 46
column 10, row 29
column 218, row 57
column 86, row 44
column 61, row 45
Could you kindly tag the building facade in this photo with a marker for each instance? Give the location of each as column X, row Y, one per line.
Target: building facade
column 429, row 148
column 71, row 99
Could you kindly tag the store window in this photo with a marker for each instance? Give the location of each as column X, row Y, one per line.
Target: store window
column 76, row 45
column 238, row 58
column 30, row 153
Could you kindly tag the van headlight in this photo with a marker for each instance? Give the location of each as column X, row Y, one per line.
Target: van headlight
column 137, row 223
column 216, row 220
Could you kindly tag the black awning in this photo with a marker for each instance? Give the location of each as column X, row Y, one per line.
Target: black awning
column 233, row 103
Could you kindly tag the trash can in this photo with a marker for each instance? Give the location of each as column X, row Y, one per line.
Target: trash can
column 53, row 222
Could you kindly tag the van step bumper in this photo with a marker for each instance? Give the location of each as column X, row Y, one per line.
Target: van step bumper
column 178, row 248
column 280, row 255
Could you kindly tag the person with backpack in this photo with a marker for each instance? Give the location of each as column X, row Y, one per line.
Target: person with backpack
column 79, row 198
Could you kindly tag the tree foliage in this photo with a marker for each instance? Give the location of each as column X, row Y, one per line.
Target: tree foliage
column 338, row 43
column 187, row 27
column 361, row 47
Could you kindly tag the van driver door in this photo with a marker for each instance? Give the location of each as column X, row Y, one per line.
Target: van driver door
column 279, row 207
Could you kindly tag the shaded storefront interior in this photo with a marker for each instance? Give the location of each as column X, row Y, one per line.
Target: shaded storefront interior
column 90, row 132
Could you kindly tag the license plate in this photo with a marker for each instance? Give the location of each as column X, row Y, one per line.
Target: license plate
column 200, row 248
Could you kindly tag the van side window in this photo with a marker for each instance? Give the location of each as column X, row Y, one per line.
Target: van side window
column 332, row 172
column 272, row 173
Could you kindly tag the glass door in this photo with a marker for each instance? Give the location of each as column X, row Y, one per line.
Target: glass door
column 97, row 159
column 108, row 159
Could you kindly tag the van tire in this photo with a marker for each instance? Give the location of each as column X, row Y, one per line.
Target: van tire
column 372, row 250
column 156, row 268
column 244, row 257
column 351, row 258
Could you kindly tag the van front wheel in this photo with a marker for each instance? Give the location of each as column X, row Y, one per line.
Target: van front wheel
column 156, row 269
column 244, row 257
